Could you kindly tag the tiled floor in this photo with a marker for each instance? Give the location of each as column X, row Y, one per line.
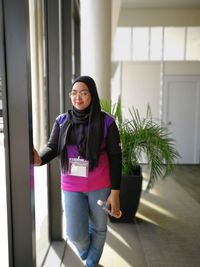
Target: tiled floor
column 169, row 220
column 166, row 233
column 121, row 249
column 167, row 230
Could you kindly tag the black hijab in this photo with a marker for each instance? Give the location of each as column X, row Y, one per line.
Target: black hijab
column 88, row 142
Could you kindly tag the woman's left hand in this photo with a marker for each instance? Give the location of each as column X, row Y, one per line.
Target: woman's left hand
column 113, row 202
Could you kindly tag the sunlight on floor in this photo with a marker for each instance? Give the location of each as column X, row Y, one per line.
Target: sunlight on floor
column 41, row 213
column 119, row 237
column 145, row 218
column 157, row 208
column 113, row 258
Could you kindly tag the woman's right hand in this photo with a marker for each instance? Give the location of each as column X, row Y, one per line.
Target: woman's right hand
column 36, row 158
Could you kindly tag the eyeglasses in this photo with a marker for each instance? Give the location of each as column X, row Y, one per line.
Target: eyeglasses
column 82, row 94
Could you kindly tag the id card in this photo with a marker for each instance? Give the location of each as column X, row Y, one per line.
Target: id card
column 78, row 167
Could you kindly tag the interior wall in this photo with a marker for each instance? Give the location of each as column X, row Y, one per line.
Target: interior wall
column 115, row 82
column 116, row 7
column 181, row 68
column 159, row 17
column 141, row 83
column 141, row 86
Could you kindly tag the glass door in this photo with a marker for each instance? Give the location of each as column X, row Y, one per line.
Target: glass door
column 3, row 201
column 40, row 119
column 3, row 196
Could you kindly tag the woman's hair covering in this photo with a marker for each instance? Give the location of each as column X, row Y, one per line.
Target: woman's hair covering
column 95, row 130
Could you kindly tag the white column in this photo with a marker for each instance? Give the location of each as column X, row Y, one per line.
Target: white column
column 96, row 43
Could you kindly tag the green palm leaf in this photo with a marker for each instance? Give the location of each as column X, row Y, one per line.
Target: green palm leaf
column 143, row 136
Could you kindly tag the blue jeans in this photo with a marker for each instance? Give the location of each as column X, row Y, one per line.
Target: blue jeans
column 86, row 223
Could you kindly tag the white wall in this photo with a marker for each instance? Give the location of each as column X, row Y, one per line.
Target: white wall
column 141, row 83
column 141, row 86
column 96, row 43
column 116, row 7
column 116, row 82
column 181, row 68
column 159, row 17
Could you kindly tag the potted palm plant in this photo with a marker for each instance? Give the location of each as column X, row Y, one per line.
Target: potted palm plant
column 140, row 137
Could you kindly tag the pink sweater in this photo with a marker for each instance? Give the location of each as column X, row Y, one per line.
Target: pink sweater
column 97, row 179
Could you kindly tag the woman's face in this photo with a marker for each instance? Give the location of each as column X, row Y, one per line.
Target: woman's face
column 80, row 96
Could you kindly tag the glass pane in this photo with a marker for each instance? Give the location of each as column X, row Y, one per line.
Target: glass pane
column 3, row 200
column 39, row 106
column 174, row 43
column 193, row 43
column 122, row 44
column 156, row 43
column 140, row 43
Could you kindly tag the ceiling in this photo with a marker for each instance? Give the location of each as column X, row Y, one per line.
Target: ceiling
column 160, row 3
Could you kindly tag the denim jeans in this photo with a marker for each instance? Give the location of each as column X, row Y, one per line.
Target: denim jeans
column 86, row 223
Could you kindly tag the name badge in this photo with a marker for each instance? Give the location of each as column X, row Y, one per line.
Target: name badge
column 78, row 167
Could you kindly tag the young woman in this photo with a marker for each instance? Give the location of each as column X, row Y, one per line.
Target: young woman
column 88, row 144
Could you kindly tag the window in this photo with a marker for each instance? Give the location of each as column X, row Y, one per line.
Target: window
column 140, row 44
column 122, row 44
column 3, row 200
column 156, row 40
column 39, row 106
column 193, row 43
column 156, row 43
column 3, row 190
column 174, row 41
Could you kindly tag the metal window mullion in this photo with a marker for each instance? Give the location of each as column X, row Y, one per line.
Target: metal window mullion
column 19, row 134
column 67, row 50
column 5, row 130
column 77, row 38
column 185, row 43
column 53, row 88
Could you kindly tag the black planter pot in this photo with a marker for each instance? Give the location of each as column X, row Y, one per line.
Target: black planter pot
column 130, row 191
